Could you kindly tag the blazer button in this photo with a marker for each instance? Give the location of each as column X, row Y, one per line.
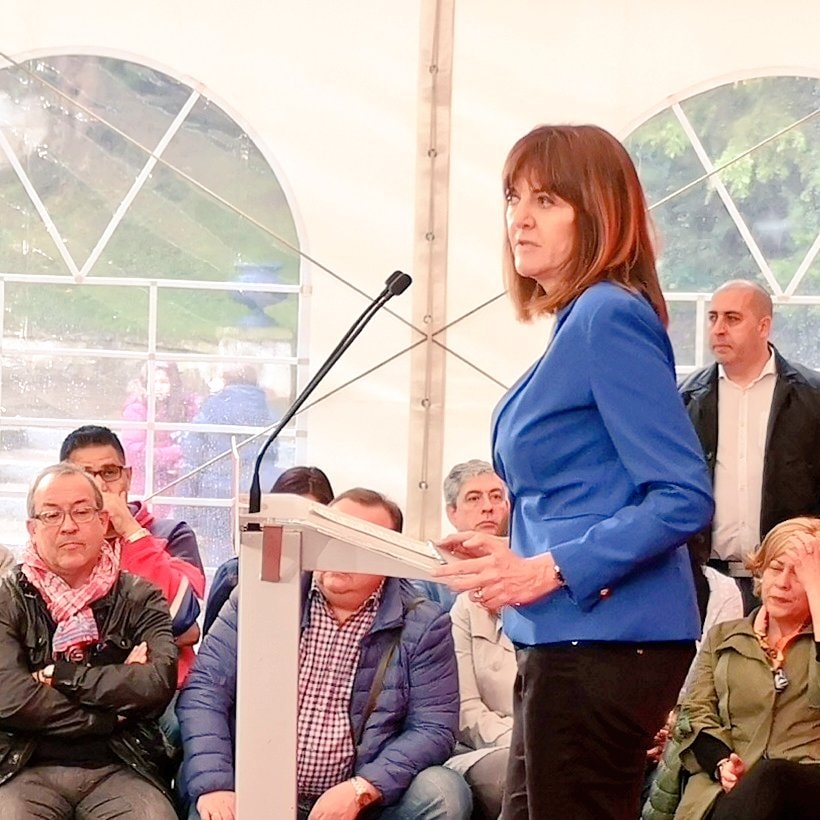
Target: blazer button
column 605, row 592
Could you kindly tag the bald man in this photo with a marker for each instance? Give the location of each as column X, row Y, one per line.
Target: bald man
column 758, row 420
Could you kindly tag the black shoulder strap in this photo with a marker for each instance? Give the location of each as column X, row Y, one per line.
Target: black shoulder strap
column 381, row 671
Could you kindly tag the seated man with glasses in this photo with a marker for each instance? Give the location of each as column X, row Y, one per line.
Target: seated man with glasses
column 162, row 551
column 87, row 663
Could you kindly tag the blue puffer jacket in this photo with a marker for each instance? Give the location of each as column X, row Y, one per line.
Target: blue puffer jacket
column 412, row 726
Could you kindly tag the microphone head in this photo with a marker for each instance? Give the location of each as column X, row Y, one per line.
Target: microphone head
column 397, row 283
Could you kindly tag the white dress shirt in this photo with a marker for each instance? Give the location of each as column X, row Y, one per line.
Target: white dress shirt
column 743, row 421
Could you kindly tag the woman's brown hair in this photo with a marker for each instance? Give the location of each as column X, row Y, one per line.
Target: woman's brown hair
column 587, row 167
column 305, row 481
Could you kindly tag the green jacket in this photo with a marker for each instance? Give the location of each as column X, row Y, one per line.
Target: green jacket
column 732, row 697
column 669, row 778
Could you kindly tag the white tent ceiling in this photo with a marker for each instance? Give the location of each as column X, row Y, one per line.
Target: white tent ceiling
column 340, row 98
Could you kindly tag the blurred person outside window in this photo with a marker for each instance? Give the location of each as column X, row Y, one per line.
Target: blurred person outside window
column 172, row 404
column 239, row 402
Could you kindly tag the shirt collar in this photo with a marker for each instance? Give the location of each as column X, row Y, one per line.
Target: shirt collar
column 371, row 602
column 769, row 369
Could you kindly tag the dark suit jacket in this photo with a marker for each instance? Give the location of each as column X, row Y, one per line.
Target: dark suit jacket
column 791, row 467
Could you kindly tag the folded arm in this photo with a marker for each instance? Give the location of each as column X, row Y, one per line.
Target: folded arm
column 129, row 688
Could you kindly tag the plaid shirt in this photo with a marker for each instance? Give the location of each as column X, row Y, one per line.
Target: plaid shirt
column 328, row 657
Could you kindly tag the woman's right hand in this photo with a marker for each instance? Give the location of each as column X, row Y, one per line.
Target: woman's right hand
column 731, row 770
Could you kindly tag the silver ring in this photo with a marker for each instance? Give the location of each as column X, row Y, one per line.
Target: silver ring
column 479, row 594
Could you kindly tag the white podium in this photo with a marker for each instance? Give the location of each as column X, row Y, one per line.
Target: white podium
column 295, row 536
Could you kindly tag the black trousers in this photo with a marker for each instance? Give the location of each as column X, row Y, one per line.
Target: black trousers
column 583, row 718
column 773, row 790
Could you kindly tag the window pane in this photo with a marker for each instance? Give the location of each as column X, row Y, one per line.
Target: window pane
column 682, row 324
column 212, row 526
column 175, row 230
column 88, row 317
column 663, row 155
column 49, row 385
column 226, row 359
column 775, row 187
column 796, row 332
column 211, row 148
column 13, row 533
column 700, row 247
column 80, row 168
column 217, row 321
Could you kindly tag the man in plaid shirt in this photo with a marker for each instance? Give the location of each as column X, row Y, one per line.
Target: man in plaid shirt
column 378, row 700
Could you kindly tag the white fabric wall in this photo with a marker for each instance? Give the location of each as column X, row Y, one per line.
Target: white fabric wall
column 329, row 90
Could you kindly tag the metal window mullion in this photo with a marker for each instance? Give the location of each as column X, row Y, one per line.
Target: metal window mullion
column 39, row 205
column 145, row 282
column 151, row 414
column 136, row 187
column 727, row 200
column 139, row 355
column 810, row 256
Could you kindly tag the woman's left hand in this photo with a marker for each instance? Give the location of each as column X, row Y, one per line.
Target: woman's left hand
column 495, row 576
column 732, row 769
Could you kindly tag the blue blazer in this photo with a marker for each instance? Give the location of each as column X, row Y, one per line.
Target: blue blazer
column 605, row 472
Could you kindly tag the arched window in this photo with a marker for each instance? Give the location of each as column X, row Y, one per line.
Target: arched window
column 150, row 282
column 733, row 180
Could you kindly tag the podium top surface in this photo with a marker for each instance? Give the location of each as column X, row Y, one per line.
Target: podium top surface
column 313, row 518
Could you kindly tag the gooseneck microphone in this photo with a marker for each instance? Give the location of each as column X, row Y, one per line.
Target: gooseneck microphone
column 396, row 284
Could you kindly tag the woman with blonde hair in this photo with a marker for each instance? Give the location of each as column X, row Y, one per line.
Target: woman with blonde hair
column 606, row 480
column 754, row 702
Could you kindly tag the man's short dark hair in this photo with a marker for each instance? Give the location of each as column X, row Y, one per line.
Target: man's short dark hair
column 370, row 498
column 91, row 435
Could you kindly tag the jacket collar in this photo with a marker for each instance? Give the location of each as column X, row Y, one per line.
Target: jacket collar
column 707, row 378
column 389, row 615
column 743, row 639
column 484, row 625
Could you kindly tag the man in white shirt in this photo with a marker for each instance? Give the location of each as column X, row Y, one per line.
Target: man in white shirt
column 758, row 419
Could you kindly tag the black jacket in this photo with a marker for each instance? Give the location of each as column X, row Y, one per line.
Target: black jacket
column 791, row 466
column 101, row 698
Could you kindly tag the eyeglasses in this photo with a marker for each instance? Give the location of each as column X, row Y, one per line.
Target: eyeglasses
column 55, row 518
column 109, row 473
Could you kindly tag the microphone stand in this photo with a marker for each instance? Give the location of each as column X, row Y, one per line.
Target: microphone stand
column 396, row 283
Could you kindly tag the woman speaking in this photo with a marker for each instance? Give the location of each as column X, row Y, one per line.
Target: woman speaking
column 606, row 482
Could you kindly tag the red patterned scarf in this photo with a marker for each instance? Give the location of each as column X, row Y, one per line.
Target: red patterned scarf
column 70, row 608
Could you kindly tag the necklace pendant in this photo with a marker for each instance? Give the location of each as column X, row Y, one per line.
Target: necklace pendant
column 781, row 681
